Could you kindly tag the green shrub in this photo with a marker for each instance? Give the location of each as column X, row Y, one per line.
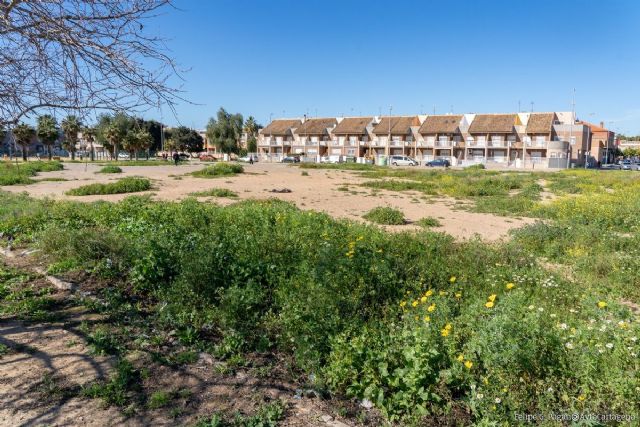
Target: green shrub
column 428, row 222
column 385, row 215
column 215, row 192
column 121, row 388
column 110, row 169
column 125, row 185
column 219, row 169
column 21, row 174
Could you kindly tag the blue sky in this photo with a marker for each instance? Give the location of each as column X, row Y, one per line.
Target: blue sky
column 329, row 58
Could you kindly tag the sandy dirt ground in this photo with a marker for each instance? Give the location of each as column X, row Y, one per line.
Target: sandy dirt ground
column 317, row 191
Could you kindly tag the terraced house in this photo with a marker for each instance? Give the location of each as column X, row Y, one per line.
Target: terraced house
column 517, row 140
column 394, row 135
column 313, row 136
column 351, row 137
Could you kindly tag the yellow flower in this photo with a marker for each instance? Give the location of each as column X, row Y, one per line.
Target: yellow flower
column 423, row 299
column 492, row 297
column 427, row 319
column 448, row 326
column 458, row 295
column 460, row 358
column 445, row 332
column 415, row 303
column 453, row 279
column 379, row 251
column 429, row 293
column 489, row 304
column 403, row 303
column 602, row 304
column 468, row 364
column 442, row 293
column 417, row 317
column 582, row 398
column 431, row 308
column 510, row 286
column 485, row 380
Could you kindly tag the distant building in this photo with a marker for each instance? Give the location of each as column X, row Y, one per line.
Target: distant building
column 541, row 139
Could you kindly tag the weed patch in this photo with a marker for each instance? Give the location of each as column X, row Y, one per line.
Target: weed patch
column 124, row 185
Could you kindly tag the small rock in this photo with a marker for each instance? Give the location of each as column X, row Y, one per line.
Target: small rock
column 336, row 423
column 326, row 418
column 206, row 358
column 366, row 404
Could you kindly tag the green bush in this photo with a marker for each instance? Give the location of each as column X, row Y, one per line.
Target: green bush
column 428, row 222
column 110, row 169
column 125, row 185
column 385, row 215
column 215, row 192
column 21, row 174
column 219, row 169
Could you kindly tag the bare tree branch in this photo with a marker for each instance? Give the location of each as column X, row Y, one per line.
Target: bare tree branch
column 82, row 54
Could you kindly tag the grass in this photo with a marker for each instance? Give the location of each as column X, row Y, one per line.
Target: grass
column 419, row 324
column 218, row 170
column 385, row 216
column 215, row 192
column 22, row 173
column 52, row 179
column 428, row 222
column 110, row 169
column 124, row 185
column 339, row 166
column 150, row 162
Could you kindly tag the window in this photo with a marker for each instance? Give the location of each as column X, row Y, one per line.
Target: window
column 351, row 151
column 314, row 139
column 353, row 140
column 572, row 140
column 341, row 140
column 431, row 139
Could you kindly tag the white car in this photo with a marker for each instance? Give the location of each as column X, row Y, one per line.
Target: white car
column 402, row 161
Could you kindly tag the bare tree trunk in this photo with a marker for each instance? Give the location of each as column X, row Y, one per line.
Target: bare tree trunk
column 93, row 153
column 50, row 151
column 24, row 153
column 73, row 155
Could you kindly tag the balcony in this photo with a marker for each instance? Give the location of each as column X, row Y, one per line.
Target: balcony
column 536, row 144
column 497, row 144
column 476, row 144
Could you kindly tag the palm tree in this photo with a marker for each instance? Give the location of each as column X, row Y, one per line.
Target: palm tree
column 251, row 128
column 47, row 131
column 71, row 126
column 89, row 134
column 24, row 135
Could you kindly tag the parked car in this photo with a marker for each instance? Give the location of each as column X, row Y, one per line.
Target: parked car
column 207, row 158
column 626, row 165
column 444, row 163
column 331, row 159
column 123, row 156
column 402, row 161
column 290, row 159
column 247, row 158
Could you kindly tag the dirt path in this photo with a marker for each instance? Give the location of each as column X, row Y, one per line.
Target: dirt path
column 319, row 190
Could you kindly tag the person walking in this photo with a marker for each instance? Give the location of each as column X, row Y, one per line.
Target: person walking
column 251, row 159
column 176, row 158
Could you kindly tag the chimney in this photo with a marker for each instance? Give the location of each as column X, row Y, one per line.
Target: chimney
column 602, row 125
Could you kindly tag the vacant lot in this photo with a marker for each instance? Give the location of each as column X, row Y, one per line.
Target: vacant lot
column 338, row 192
column 256, row 312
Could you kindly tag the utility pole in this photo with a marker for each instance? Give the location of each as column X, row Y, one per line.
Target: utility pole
column 389, row 135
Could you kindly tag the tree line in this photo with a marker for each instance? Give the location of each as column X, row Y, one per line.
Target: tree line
column 122, row 132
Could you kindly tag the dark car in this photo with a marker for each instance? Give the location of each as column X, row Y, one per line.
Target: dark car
column 291, row 159
column 443, row 163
